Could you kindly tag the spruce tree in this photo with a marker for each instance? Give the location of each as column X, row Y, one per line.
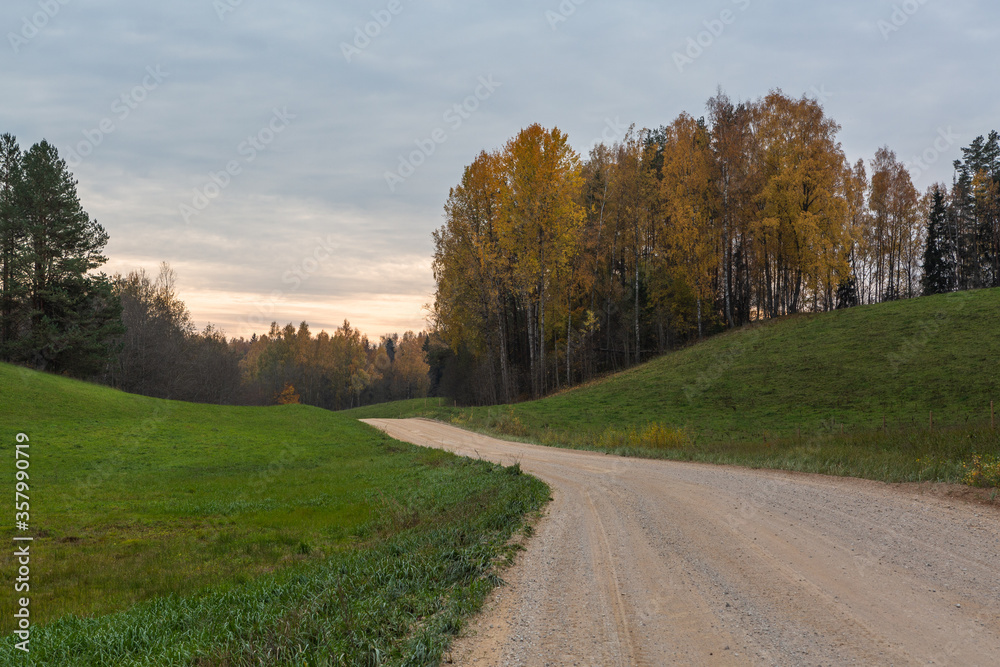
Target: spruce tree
column 940, row 253
column 975, row 202
column 847, row 294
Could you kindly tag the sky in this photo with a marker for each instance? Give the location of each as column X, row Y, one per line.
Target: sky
column 291, row 160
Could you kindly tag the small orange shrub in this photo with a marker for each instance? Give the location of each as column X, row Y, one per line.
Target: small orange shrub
column 288, row 395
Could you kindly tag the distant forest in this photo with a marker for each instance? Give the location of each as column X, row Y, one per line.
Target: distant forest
column 132, row 332
column 552, row 269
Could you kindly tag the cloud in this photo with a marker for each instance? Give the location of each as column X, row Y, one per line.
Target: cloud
column 324, row 175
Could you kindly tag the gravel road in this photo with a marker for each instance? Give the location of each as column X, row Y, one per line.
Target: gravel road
column 642, row 562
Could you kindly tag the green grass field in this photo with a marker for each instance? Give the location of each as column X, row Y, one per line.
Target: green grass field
column 173, row 533
column 809, row 392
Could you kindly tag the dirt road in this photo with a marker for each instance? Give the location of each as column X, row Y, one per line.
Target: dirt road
column 658, row 563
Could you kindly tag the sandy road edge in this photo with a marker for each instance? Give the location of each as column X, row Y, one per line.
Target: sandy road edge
column 483, row 635
column 497, row 630
column 939, row 491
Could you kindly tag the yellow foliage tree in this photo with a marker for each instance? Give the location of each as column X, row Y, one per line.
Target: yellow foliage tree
column 287, row 396
column 541, row 220
column 689, row 239
column 802, row 227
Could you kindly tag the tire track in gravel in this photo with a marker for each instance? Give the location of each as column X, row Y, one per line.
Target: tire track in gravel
column 641, row 562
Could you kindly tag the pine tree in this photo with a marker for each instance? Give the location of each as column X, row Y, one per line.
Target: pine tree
column 939, row 256
column 975, row 206
column 69, row 316
column 12, row 244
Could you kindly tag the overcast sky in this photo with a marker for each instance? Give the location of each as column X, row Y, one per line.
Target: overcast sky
column 290, row 166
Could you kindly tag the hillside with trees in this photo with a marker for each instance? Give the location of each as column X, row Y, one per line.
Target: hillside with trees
column 552, row 268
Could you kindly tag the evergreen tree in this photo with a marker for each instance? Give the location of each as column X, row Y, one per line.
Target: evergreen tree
column 12, row 242
column 975, row 206
column 847, row 294
column 939, row 255
column 62, row 319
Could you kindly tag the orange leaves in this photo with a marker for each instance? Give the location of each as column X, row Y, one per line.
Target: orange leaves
column 804, row 211
column 541, row 216
column 755, row 213
column 287, row 396
column 512, row 225
column 689, row 233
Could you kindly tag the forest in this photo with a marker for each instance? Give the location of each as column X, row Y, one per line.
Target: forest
column 134, row 333
column 552, row 268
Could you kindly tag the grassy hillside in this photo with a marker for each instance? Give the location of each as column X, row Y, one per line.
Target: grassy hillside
column 896, row 360
column 170, row 532
column 792, row 393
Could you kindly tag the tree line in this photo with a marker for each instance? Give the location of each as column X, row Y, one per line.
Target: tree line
column 132, row 332
column 552, row 268
column 963, row 233
column 161, row 354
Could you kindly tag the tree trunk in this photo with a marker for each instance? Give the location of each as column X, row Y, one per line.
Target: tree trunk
column 541, row 343
column 700, row 334
column 531, row 349
column 638, row 346
column 569, row 345
column 727, row 256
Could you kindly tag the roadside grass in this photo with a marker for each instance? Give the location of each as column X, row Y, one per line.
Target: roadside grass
column 847, row 393
column 174, row 533
column 431, row 408
column 948, row 455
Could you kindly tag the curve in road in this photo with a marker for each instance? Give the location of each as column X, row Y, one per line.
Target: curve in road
column 642, row 562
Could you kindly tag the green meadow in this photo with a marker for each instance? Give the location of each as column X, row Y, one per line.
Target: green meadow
column 175, row 533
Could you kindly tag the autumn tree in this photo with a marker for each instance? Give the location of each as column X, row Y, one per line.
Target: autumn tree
column 410, row 370
column 736, row 181
column 801, row 228
column 690, row 240
column 474, row 277
column 853, row 289
column 287, row 396
column 548, row 264
column 541, row 221
column 895, row 237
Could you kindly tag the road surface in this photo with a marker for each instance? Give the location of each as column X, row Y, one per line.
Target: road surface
column 642, row 562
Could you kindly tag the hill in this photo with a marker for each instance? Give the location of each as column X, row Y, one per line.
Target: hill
column 834, row 392
column 171, row 532
column 898, row 360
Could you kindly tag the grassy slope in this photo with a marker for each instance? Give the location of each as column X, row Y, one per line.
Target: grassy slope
column 899, row 360
column 201, row 514
column 798, row 382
